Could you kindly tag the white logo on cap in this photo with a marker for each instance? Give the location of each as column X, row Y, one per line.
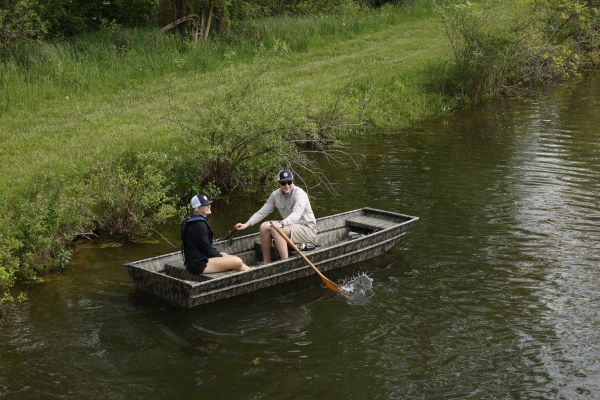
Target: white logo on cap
column 285, row 174
column 205, row 198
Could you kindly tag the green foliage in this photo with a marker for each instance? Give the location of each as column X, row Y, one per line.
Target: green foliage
column 9, row 261
column 66, row 18
column 241, row 134
column 99, row 64
column 54, row 213
column 38, row 227
column 243, row 10
column 19, row 22
column 125, row 198
column 133, row 194
column 483, row 48
column 574, row 22
column 70, row 17
column 495, row 54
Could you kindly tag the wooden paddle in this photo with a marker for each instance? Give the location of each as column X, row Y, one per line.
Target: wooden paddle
column 330, row 285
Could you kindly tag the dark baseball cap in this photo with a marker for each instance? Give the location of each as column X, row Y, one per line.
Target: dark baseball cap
column 285, row 175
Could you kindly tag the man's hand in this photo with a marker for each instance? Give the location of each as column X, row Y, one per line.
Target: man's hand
column 278, row 224
column 239, row 226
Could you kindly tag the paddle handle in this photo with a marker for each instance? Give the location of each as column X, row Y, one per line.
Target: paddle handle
column 330, row 285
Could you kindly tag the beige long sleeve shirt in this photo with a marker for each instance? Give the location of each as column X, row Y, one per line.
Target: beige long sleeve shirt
column 294, row 208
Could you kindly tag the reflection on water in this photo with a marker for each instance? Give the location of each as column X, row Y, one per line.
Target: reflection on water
column 493, row 294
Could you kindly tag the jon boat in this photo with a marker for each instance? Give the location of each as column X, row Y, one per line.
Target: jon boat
column 343, row 239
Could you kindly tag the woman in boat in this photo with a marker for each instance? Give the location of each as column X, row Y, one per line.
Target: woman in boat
column 200, row 256
column 298, row 220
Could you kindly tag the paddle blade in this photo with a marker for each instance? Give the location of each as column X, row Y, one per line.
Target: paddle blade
column 331, row 286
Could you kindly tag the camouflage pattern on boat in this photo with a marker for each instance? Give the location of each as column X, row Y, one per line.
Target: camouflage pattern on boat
column 343, row 239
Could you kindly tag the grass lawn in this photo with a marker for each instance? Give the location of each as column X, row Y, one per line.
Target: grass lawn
column 72, row 120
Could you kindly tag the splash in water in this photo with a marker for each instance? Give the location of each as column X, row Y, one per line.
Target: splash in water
column 358, row 289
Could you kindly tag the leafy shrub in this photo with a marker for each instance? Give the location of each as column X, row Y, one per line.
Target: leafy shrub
column 249, row 10
column 126, row 197
column 37, row 230
column 323, row 7
column 482, row 49
column 19, row 21
column 133, row 194
column 9, row 261
column 53, row 214
column 241, row 135
column 71, row 17
column 494, row 55
column 576, row 22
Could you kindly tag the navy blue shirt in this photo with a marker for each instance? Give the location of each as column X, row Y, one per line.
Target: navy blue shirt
column 197, row 238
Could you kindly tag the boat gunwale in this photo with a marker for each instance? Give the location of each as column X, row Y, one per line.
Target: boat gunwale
column 294, row 270
column 139, row 264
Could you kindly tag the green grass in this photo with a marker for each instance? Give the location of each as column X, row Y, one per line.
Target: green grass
column 67, row 106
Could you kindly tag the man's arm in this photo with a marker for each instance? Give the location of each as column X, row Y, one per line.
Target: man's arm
column 264, row 211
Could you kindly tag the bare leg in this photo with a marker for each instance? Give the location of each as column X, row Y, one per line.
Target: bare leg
column 266, row 234
column 280, row 243
column 225, row 263
column 265, row 241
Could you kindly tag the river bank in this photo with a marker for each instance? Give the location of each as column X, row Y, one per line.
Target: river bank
column 66, row 123
column 72, row 117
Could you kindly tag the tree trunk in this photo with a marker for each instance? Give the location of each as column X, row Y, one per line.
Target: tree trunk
column 180, row 10
column 207, row 27
column 222, row 16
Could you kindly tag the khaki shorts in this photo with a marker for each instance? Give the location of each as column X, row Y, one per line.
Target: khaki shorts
column 303, row 233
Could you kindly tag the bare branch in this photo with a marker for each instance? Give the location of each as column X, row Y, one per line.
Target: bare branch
column 193, row 17
column 87, row 235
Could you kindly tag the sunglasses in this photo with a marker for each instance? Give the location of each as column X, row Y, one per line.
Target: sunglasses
column 286, row 183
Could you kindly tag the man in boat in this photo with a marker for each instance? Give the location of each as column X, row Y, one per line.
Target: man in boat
column 200, row 256
column 298, row 221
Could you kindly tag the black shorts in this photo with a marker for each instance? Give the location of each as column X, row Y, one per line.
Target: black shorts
column 196, row 268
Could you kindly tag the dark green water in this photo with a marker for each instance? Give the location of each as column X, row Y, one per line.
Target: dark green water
column 495, row 293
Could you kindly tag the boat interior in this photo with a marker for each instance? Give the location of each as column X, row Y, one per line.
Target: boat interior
column 331, row 232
